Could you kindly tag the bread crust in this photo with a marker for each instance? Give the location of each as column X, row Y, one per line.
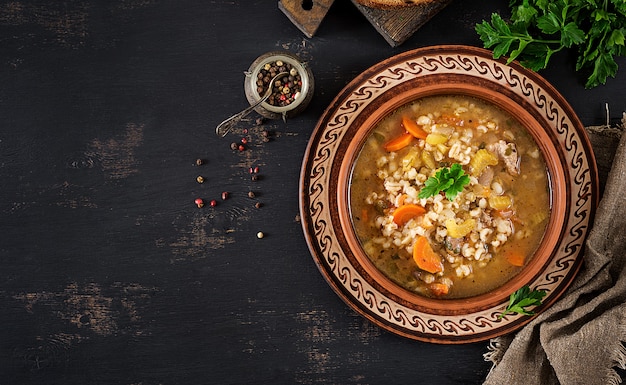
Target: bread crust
column 392, row 4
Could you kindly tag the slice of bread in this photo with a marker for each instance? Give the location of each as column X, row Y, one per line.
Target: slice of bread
column 392, row 4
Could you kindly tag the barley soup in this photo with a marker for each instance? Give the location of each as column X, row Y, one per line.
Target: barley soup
column 449, row 196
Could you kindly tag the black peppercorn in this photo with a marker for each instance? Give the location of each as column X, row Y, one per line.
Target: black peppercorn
column 286, row 89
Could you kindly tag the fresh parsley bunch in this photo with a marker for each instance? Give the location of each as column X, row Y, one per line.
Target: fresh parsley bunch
column 521, row 299
column 538, row 29
column 449, row 180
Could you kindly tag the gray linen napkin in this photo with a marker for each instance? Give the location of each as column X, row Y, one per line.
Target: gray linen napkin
column 579, row 339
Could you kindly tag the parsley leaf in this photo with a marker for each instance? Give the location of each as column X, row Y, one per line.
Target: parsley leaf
column 449, row 180
column 537, row 29
column 521, row 299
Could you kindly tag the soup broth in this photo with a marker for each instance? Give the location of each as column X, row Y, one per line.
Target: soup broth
column 449, row 196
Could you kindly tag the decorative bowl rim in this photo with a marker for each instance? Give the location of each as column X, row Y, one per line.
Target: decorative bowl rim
column 320, row 195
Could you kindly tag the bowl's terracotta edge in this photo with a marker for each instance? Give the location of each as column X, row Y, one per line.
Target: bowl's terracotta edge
column 340, row 289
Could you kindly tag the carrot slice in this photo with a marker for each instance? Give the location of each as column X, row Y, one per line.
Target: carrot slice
column 438, row 288
column 365, row 215
column 404, row 213
column 401, row 199
column 398, row 142
column 413, row 128
column 425, row 257
column 516, row 258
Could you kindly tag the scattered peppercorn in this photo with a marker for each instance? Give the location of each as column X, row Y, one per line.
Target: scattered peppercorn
column 225, row 195
column 199, row 202
column 241, row 147
column 251, row 194
column 234, row 146
column 255, row 177
column 213, row 203
column 256, row 170
column 260, row 235
column 200, row 179
column 244, row 140
column 258, row 205
column 259, row 121
column 199, row 162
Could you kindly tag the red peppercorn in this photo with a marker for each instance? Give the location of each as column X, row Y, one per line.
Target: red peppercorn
column 256, row 170
column 225, row 195
column 244, row 140
column 213, row 203
column 251, row 170
column 241, row 147
column 199, row 202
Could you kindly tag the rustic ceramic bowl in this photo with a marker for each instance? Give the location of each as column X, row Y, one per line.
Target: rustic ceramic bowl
column 346, row 124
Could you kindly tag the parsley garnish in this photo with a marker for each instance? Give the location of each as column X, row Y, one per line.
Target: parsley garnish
column 539, row 28
column 521, row 299
column 449, row 180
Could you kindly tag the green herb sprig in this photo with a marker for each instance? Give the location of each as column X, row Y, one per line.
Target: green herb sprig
column 449, row 180
column 537, row 29
column 521, row 299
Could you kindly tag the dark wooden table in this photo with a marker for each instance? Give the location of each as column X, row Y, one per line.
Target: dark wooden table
column 109, row 272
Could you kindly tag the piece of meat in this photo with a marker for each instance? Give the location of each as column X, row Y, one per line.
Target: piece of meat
column 486, row 219
column 453, row 244
column 507, row 152
column 486, row 177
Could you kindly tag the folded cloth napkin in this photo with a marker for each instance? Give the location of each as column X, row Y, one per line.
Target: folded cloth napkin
column 579, row 339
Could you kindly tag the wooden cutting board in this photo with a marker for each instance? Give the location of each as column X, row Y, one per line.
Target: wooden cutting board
column 396, row 26
column 306, row 15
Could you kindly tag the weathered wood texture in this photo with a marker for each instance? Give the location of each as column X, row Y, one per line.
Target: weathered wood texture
column 109, row 272
column 397, row 25
column 306, row 15
column 604, row 140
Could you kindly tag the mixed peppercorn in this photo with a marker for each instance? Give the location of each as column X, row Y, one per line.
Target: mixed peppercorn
column 286, row 88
